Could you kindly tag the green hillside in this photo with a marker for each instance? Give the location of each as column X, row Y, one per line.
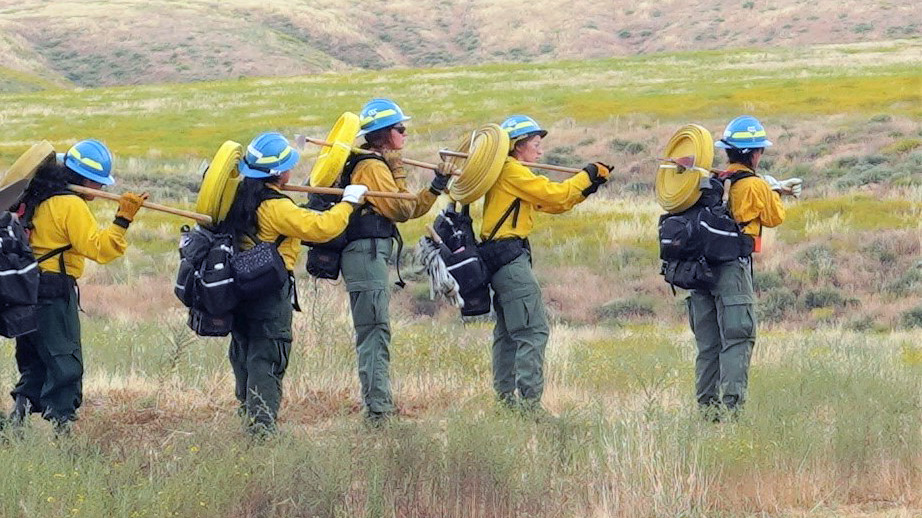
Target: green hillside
column 139, row 42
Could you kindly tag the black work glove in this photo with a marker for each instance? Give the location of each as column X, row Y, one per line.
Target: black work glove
column 598, row 175
column 442, row 175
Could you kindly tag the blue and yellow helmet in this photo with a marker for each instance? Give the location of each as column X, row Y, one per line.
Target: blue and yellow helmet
column 269, row 154
column 90, row 159
column 520, row 126
column 379, row 113
column 744, row 132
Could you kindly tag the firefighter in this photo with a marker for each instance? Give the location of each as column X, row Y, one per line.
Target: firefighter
column 63, row 235
column 723, row 318
column 521, row 332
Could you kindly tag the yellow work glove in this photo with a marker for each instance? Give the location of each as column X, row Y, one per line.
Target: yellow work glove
column 394, row 160
column 129, row 204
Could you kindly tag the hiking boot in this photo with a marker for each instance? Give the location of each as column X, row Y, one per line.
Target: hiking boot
column 507, row 400
column 22, row 407
column 378, row 419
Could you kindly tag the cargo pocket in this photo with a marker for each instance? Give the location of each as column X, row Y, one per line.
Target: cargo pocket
column 522, row 309
column 284, row 351
column 369, row 307
column 691, row 313
column 738, row 317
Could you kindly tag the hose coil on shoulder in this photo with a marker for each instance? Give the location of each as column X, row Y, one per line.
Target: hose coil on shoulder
column 487, row 149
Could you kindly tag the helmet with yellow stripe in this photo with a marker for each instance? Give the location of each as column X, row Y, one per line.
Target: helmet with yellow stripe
column 520, row 127
column 269, row 154
column 742, row 133
column 379, row 113
column 90, row 159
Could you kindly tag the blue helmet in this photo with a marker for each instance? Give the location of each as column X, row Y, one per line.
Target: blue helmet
column 744, row 132
column 90, row 159
column 269, row 154
column 380, row 113
column 520, row 126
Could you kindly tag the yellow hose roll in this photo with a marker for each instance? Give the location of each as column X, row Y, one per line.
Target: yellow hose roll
column 16, row 179
column 330, row 162
column 677, row 189
column 219, row 186
column 487, row 149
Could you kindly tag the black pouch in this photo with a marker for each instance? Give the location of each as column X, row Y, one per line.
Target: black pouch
column 722, row 237
column 215, row 291
column 679, row 235
column 476, row 302
column 205, row 324
column 497, row 254
column 184, row 289
column 17, row 321
column 194, row 245
column 55, row 285
column 689, row 275
column 259, row 270
column 323, row 262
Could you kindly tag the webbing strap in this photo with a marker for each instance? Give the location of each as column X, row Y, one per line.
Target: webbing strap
column 514, row 206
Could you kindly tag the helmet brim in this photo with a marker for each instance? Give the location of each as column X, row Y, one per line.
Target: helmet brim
column 98, row 178
column 363, row 132
column 722, row 145
column 249, row 172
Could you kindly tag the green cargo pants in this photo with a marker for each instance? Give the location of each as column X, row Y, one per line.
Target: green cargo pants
column 521, row 332
column 259, row 351
column 50, row 361
column 724, row 323
column 364, row 267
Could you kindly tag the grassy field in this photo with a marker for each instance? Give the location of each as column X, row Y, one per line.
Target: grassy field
column 834, row 425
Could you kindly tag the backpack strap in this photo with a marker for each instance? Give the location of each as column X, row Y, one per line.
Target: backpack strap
column 513, row 207
column 56, row 252
column 268, row 194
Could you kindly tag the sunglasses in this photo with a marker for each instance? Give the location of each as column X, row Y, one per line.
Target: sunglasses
column 400, row 129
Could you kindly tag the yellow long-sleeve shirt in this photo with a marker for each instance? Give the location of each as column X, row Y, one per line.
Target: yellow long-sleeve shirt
column 281, row 217
column 66, row 220
column 537, row 194
column 377, row 176
column 754, row 203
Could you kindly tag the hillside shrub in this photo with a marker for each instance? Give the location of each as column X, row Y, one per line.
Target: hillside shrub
column 908, row 283
column 637, row 306
column 775, row 304
column 912, row 318
column 627, row 146
column 764, row 281
column 825, row 297
column 820, row 262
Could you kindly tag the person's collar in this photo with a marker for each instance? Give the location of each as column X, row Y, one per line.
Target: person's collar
column 733, row 168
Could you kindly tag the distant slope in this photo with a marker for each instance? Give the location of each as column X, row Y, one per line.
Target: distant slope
column 139, row 42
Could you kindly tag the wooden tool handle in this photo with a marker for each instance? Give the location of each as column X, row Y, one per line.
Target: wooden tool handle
column 549, row 167
column 201, row 218
column 434, row 235
column 333, row 190
column 408, row 161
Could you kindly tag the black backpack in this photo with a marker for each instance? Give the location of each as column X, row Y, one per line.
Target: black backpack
column 20, row 277
column 461, row 255
column 214, row 275
column 703, row 235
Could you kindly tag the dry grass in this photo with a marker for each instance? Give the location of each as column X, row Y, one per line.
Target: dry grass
column 153, row 42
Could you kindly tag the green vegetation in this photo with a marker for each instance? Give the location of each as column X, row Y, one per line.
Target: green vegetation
column 182, row 120
column 832, row 426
